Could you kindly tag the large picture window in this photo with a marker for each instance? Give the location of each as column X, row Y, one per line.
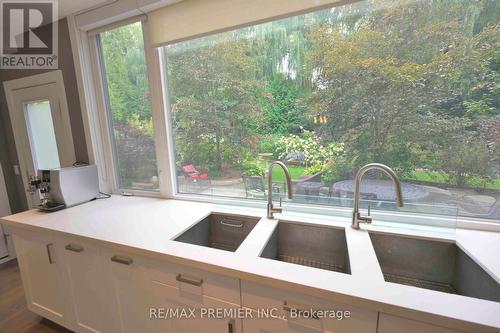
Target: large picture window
column 411, row 84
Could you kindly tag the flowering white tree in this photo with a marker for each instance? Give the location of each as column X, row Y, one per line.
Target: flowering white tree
column 310, row 145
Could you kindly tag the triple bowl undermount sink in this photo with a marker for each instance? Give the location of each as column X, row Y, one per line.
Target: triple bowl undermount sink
column 436, row 265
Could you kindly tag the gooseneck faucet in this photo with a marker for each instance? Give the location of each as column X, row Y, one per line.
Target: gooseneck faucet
column 270, row 208
column 357, row 218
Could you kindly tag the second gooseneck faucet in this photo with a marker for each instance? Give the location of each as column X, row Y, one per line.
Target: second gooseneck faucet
column 270, row 208
column 357, row 218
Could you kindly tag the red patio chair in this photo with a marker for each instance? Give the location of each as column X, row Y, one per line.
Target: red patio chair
column 193, row 174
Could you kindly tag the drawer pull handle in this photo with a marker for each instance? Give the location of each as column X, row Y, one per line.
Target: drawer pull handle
column 300, row 312
column 74, row 248
column 49, row 253
column 122, row 260
column 231, row 225
column 194, row 282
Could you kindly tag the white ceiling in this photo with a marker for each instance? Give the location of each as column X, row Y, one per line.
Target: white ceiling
column 67, row 7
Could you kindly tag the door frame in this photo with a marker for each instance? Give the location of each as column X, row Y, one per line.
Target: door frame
column 4, row 211
column 23, row 147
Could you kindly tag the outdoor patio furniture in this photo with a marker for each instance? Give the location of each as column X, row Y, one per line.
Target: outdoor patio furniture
column 254, row 186
column 195, row 175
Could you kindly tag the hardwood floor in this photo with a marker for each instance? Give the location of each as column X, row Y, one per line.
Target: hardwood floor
column 14, row 315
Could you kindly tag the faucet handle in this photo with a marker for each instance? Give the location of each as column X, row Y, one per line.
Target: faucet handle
column 280, row 201
column 368, row 210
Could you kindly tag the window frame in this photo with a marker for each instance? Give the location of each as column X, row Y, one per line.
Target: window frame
column 102, row 142
column 104, row 119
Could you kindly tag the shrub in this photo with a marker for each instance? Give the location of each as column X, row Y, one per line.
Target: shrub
column 313, row 169
column 309, row 144
column 340, row 169
column 268, row 144
column 136, row 150
column 250, row 168
column 466, row 160
column 202, row 152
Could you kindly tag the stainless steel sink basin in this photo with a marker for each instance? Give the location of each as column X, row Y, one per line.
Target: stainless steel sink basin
column 321, row 247
column 435, row 265
column 220, row 231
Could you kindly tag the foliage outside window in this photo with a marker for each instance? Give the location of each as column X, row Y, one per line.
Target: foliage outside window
column 129, row 104
column 412, row 84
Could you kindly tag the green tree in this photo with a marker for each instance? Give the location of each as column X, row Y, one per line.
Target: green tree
column 126, row 72
column 214, row 99
column 284, row 113
column 129, row 102
column 407, row 81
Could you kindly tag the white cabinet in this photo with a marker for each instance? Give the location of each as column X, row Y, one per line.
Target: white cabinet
column 187, row 279
column 131, row 289
column 393, row 324
column 90, row 286
column 199, row 311
column 210, row 299
column 144, row 288
column 44, row 277
column 299, row 312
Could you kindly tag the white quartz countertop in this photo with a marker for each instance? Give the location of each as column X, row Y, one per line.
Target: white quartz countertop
column 148, row 225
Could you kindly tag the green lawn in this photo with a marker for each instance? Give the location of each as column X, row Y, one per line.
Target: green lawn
column 426, row 176
column 295, row 172
column 442, row 178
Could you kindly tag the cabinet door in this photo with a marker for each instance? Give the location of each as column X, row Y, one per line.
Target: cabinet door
column 186, row 310
column 131, row 287
column 42, row 271
column 91, row 288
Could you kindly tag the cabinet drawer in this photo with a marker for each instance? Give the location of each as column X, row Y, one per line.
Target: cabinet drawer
column 179, row 276
column 393, row 324
column 290, row 304
column 196, row 281
column 163, row 292
column 190, row 312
